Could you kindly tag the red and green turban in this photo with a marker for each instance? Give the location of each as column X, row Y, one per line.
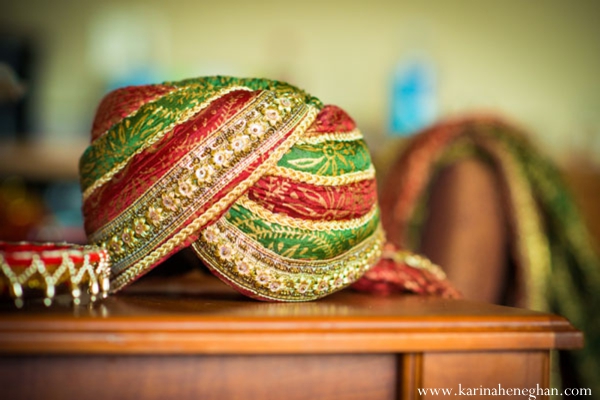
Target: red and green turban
column 274, row 191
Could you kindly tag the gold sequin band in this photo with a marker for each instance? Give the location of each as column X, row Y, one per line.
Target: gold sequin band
column 261, row 272
column 32, row 268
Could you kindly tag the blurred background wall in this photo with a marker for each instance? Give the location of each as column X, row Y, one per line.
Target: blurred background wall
column 535, row 61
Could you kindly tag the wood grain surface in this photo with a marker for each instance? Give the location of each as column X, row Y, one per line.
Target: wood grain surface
column 199, row 315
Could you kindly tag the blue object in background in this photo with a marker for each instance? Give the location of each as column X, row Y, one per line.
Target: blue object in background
column 64, row 221
column 136, row 76
column 413, row 97
column 63, row 200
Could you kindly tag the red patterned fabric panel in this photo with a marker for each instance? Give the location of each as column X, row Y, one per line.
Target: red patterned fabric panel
column 307, row 201
column 331, row 119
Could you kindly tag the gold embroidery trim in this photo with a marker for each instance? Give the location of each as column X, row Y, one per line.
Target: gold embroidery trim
column 245, row 263
column 132, row 272
column 285, row 220
column 320, row 180
column 332, row 137
column 157, row 137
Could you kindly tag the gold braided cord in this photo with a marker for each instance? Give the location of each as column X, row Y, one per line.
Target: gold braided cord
column 332, row 137
column 319, row 180
column 185, row 116
column 285, row 220
column 217, row 208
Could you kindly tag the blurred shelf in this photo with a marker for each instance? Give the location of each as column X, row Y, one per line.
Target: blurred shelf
column 41, row 161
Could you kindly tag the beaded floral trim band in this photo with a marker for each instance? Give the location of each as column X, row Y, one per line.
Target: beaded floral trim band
column 264, row 274
column 48, row 267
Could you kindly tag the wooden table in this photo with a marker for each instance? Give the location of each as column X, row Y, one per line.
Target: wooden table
column 200, row 340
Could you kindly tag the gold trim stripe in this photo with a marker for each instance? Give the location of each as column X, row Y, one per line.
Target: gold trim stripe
column 332, row 137
column 321, row 180
column 326, row 226
column 158, row 136
column 217, row 208
column 295, row 279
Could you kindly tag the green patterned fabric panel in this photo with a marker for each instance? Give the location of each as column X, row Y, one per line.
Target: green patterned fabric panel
column 331, row 158
column 299, row 243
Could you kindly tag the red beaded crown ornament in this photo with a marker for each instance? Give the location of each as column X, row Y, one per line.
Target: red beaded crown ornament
column 49, row 268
